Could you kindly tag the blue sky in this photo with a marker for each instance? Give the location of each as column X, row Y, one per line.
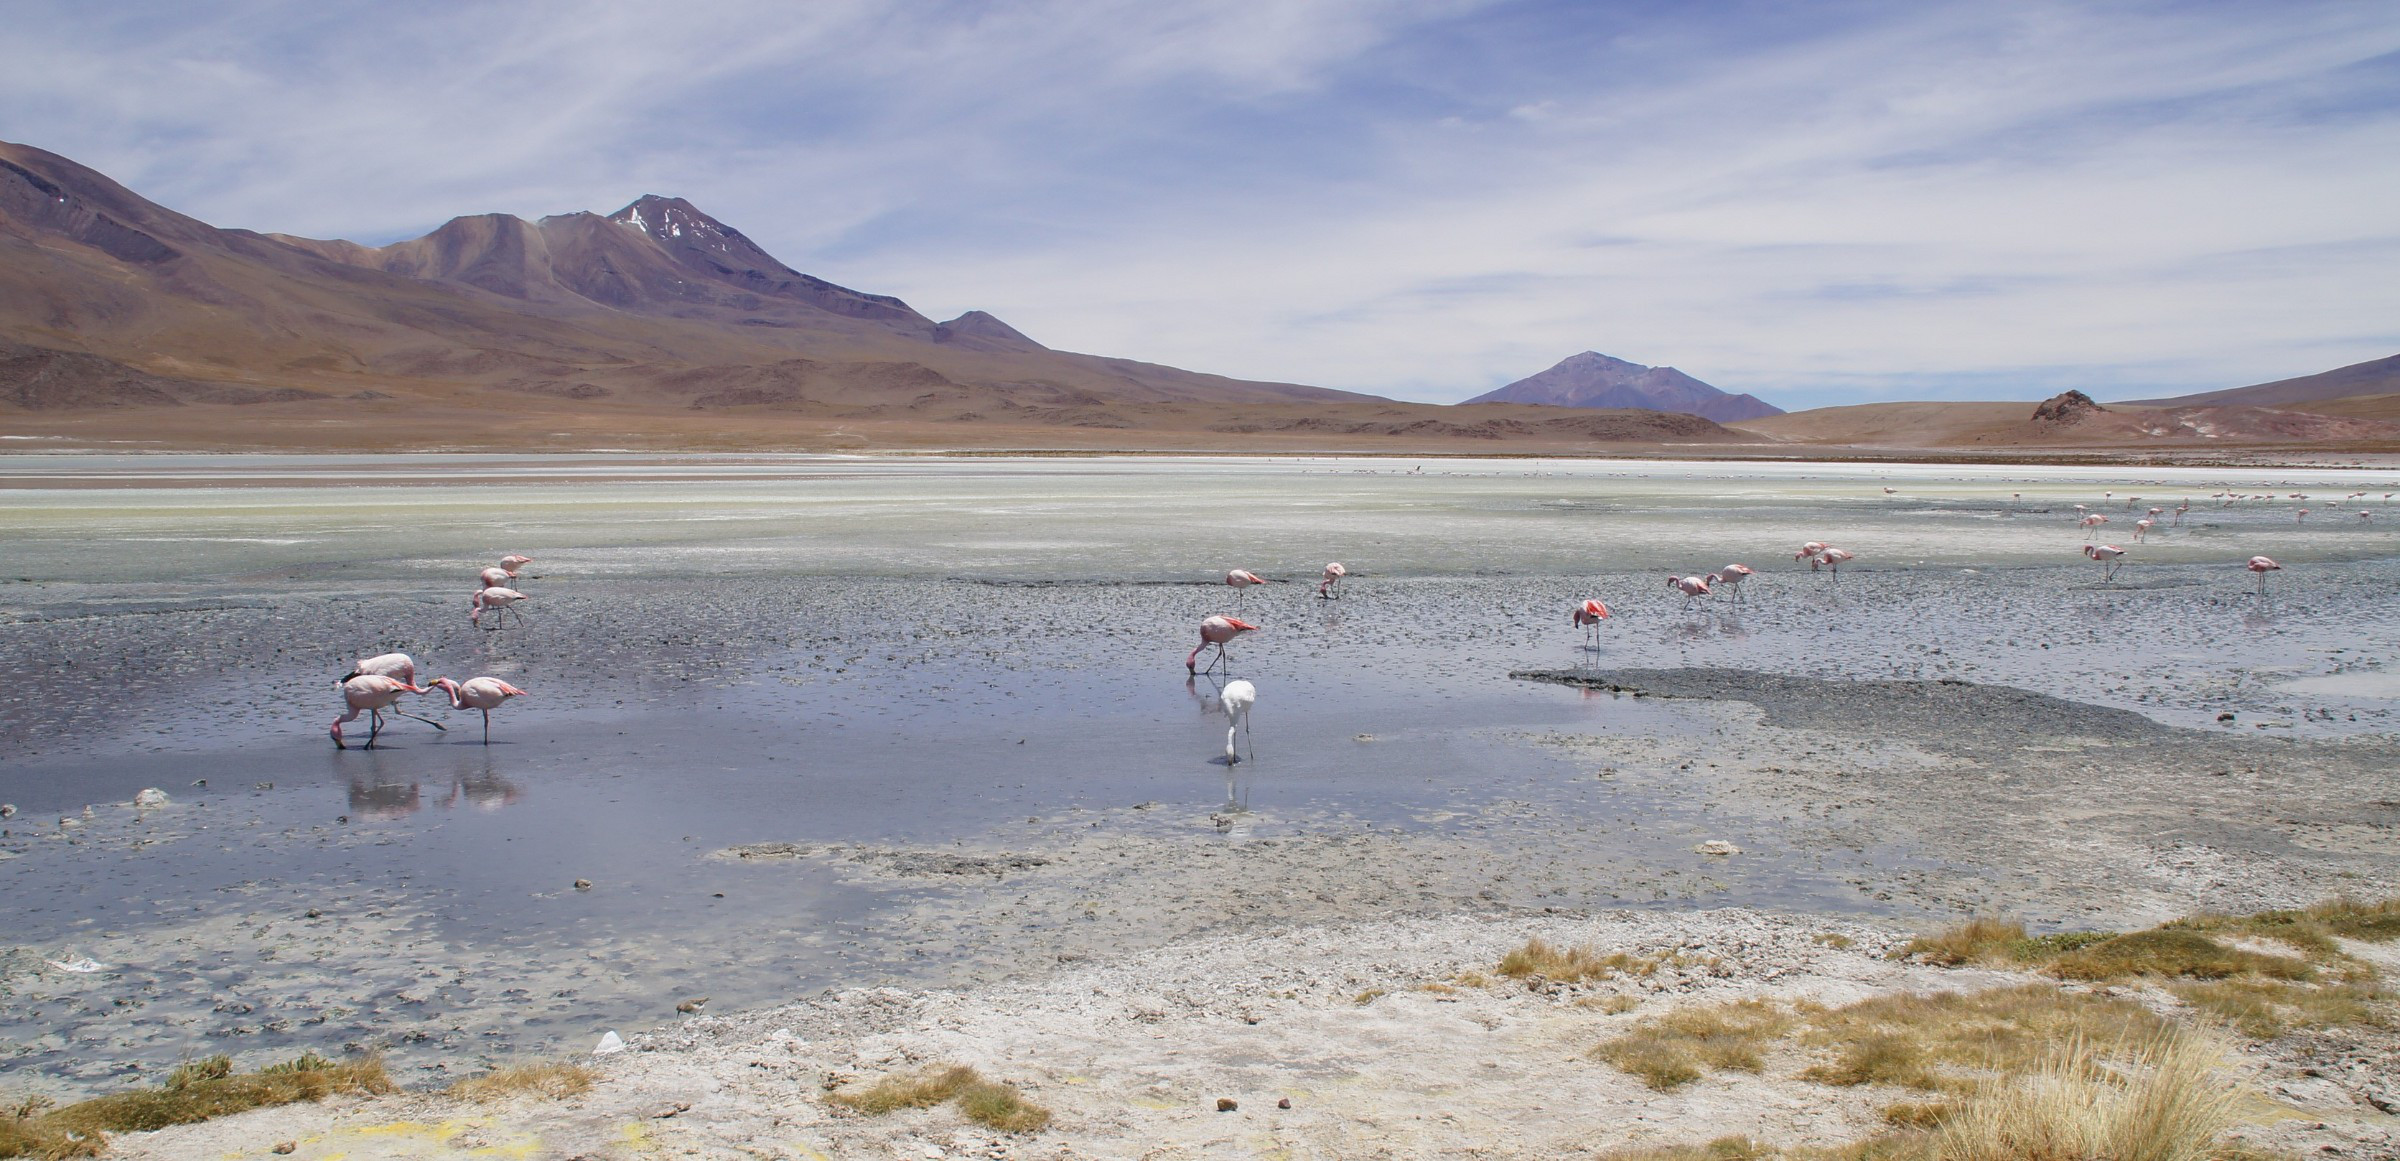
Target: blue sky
column 1816, row 202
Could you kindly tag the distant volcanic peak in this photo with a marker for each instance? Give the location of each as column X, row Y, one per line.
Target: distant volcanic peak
column 2067, row 407
column 1591, row 379
column 981, row 330
column 673, row 219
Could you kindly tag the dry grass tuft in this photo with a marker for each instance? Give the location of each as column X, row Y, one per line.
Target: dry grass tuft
column 1565, row 965
column 2265, row 1009
column 984, row 1102
column 1944, row 1041
column 2173, row 953
column 2167, row 1100
column 1368, row 997
column 26, row 1132
column 1833, row 939
column 1674, row 1049
column 1721, row 1149
column 893, row 1093
column 556, row 1081
column 1002, row 1107
column 1613, row 1003
column 198, row 1091
column 1918, row 1114
column 1975, row 941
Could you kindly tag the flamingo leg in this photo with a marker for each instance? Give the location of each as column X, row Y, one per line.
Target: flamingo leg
column 487, row 727
column 427, row 721
column 374, row 726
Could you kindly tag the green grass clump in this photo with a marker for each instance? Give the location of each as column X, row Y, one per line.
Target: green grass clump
column 1676, row 1048
column 1945, row 1041
column 198, row 1091
column 984, row 1102
column 2264, row 1009
column 2173, row 953
column 1002, row 1107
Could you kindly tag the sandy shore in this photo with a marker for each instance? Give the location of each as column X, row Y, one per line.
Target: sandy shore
column 1367, row 1030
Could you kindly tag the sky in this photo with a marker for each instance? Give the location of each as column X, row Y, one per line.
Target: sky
column 1815, row 202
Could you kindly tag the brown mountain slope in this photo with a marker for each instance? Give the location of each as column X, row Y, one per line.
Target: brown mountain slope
column 2068, row 421
column 2376, row 377
column 657, row 303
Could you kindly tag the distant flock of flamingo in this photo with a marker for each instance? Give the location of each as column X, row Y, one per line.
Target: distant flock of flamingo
column 376, row 683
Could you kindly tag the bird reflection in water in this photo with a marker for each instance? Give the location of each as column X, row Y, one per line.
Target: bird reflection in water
column 377, row 795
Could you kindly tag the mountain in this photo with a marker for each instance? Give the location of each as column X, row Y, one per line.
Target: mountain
column 128, row 304
column 2376, row 377
column 1592, row 379
column 2070, row 420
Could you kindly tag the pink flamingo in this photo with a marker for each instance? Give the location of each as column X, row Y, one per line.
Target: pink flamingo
column 1832, row 558
column 2262, row 565
column 1808, row 552
column 1217, row 631
column 371, row 695
column 2301, row 518
column 1333, row 574
column 496, row 578
column 1241, row 579
column 1588, row 616
column 2091, row 525
column 398, row 666
column 2142, row 527
column 2180, row 509
column 478, row 693
column 2106, row 554
column 512, row 562
column 1689, row 586
column 498, row 600
column 1731, row 577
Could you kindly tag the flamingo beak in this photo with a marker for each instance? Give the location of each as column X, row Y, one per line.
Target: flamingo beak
column 1239, row 624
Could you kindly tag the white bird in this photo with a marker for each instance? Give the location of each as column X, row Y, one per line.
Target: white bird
column 1333, row 575
column 1238, row 697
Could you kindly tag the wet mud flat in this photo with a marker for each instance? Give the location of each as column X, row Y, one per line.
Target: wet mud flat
column 783, row 785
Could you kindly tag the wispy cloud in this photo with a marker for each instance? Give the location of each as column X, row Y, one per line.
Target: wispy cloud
column 1818, row 203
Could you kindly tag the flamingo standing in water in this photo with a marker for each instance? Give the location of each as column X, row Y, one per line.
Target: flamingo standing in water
column 1238, row 697
column 371, row 694
column 478, row 693
column 2302, row 518
column 2180, row 509
column 1241, row 579
column 1588, row 616
column 2106, row 554
column 1832, row 558
column 498, row 600
column 2142, row 528
column 496, row 578
column 1333, row 574
column 2091, row 525
column 512, row 562
column 1217, row 631
column 1730, row 577
column 1689, row 586
column 1808, row 552
column 399, row 666
column 2262, row 565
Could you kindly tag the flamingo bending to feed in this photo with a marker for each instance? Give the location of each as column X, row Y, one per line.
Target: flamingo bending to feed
column 496, row 578
column 371, row 695
column 1808, row 552
column 1217, row 631
column 1588, row 616
column 1333, row 574
column 498, row 600
column 1832, row 558
column 2302, row 517
column 2091, row 525
column 2106, row 554
column 1238, row 697
column 1241, row 579
column 1731, row 577
column 399, row 666
column 2262, row 565
column 478, row 693
column 512, row 562
column 1689, row 586
column 2142, row 528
